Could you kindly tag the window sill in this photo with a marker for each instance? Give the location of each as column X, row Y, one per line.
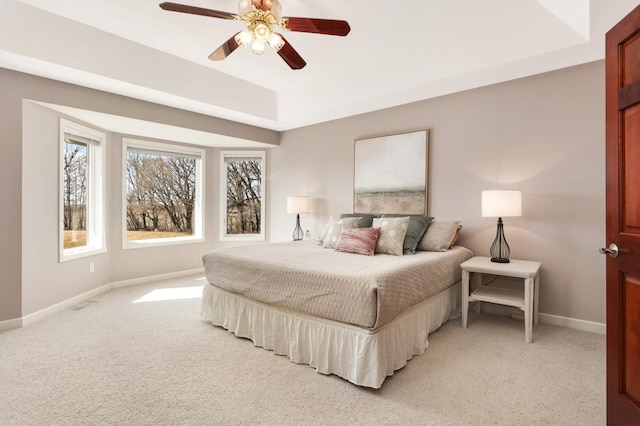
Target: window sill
column 160, row 242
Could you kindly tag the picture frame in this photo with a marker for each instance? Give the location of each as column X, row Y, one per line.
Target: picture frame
column 391, row 174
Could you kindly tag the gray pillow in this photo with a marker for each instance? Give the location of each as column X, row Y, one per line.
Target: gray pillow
column 418, row 225
column 365, row 222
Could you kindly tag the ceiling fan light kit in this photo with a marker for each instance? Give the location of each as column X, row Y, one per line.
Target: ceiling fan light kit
column 259, row 24
column 260, row 17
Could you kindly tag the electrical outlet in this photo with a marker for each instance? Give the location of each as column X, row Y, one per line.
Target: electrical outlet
column 91, row 267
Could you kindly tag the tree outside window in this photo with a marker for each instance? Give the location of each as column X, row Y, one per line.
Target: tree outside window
column 242, row 177
column 162, row 194
column 75, row 193
column 81, row 191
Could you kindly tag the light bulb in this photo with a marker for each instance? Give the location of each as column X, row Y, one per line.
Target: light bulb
column 275, row 41
column 244, row 38
column 261, row 31
column 257, row 47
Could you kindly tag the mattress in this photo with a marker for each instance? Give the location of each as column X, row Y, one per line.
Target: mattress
column 366, row 291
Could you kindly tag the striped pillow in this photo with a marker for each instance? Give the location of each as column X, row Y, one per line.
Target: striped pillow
column 358, row 240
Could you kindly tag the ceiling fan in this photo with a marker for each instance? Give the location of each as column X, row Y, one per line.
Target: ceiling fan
column 261, row 17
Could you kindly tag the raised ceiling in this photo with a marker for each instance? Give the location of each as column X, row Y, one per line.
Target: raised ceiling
column 397, row 52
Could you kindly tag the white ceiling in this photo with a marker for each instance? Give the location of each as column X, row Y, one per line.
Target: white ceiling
column 397, row 52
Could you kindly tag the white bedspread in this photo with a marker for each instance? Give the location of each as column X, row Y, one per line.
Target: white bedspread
column 368, row 291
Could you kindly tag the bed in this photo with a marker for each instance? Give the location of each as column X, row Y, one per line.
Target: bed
column 358, row 317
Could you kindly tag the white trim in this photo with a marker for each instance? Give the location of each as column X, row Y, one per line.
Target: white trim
column 73, row 301
column 64, row 305
column 169, row 148
column 10, row 324
column 576, row 324
column 95, row 192
column 573, row 323
column 168, row 241
column 160, row 277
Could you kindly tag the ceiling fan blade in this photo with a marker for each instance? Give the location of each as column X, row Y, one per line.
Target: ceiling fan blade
column 317, row 26
column 175, row 7
column 225, row 49
column 290, row 56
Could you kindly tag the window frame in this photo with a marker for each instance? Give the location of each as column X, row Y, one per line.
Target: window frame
column 223, row 196
column 95, row 232
column 198, row 211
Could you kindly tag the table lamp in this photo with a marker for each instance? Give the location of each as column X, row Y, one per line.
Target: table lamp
column 297, row 205
column 501, row 203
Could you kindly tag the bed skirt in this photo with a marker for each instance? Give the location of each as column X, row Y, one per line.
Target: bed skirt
column 362, row 356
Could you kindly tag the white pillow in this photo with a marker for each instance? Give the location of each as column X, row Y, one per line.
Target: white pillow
column 392, row 232
column 325, row 230
column 439, row 235
column 334, row 228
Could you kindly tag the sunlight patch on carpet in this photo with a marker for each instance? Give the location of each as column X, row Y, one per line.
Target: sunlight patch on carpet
column 179, row 293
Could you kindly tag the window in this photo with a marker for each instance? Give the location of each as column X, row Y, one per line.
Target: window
column 81, row 191
column 242, row 180
column 163, row 194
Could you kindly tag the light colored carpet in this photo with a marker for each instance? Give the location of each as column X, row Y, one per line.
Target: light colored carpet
column 157, row 363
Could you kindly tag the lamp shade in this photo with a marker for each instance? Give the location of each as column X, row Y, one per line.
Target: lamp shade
column 297, row 205
column 501, row 203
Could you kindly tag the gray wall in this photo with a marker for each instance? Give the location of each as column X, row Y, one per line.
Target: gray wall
column 544, row 135
column 32, row 278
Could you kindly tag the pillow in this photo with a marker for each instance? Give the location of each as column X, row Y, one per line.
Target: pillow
column 335, row 227
column 325, row 231
column 418, row 225
column 392, row 232
column 367, row 219
column 456, row 236
column 358, row 240
column 439, row 235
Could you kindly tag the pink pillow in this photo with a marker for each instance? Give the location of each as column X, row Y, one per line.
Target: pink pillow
column 358, row 240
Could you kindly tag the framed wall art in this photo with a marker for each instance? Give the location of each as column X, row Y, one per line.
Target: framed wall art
column 391, row 174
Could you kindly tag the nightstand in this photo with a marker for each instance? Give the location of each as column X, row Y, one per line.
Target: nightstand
column 526, row 299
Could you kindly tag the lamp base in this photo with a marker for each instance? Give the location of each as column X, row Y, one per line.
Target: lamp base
column 297, row 231
column 500, row 248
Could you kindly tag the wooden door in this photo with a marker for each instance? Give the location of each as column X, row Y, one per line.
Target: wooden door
column 623, row 220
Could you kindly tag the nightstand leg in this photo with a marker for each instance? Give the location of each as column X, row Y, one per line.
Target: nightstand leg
column 475, row 284
column 536, row 301
column 528, row 309
column 465, row 298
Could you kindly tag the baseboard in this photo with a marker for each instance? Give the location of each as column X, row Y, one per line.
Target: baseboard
column 160, row 277
column 576, row 324
column 69, row 303
column 10, row 324
column 64, row 305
